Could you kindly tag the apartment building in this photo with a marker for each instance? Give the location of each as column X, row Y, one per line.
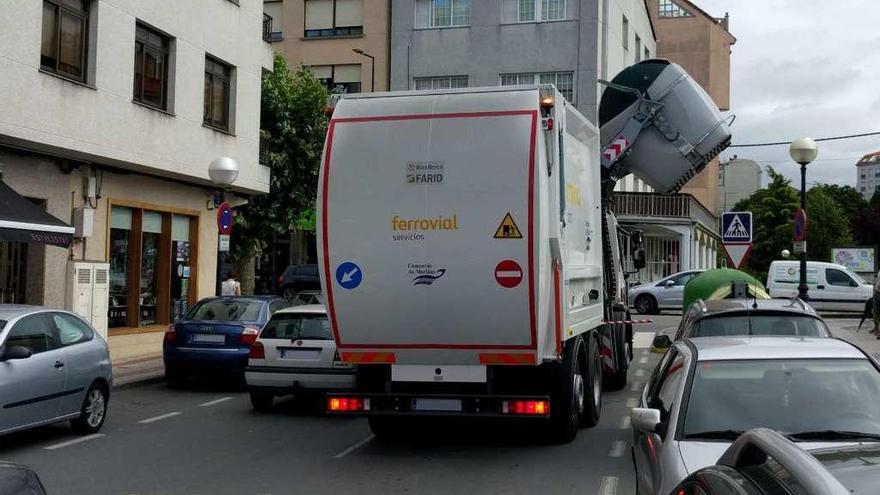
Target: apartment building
column 344, row 42
column 868, row 175
column 112, row 113
column 738, row 179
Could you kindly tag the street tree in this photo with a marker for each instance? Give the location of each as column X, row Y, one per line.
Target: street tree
column 828, row 224
column 292, row 130
column 847, row 198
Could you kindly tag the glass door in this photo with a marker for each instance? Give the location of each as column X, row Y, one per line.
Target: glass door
column 150, row 242
column 181, row 266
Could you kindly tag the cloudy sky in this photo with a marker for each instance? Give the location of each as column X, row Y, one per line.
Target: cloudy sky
column 804, row 68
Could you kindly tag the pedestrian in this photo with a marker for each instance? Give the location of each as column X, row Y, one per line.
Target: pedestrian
column 230, row 286
column 876, row 305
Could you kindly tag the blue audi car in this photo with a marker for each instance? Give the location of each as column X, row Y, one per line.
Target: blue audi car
column 215, row 336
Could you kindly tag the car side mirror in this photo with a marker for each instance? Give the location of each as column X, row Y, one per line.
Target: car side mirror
column 661, row 341
column 639, row 260
column 15, row 352
column 669, row 283
column 645, row 420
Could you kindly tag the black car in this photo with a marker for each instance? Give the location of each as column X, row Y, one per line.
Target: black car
column 763, row 461
column 298, row 278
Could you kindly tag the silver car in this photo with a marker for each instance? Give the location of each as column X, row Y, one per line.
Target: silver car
column 666, row 293
column 707, row 391
column 295, row 354
column 53, row 367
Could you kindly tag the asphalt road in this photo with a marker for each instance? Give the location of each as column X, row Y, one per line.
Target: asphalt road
column 206, row 439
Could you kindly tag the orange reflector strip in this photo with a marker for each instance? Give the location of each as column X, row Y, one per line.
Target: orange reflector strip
column 368, row 357
column 506, row 358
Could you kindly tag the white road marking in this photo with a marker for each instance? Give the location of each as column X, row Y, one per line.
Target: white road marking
column 354, row 447
column 215, row 401
column 617, row 449
column 643, row 360
column 625, row 422
column 640, row 372
column 632, row 402
column 158, row 418
column 636, row 387
column 608, row 485
column 74, row 441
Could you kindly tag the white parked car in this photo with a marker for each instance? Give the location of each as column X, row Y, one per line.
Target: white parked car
column 295, row 354
column 831, row 287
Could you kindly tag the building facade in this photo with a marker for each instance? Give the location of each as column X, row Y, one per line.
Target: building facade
column 738, row 179
column 112, row 112
column 868, row 175
column 324, row 34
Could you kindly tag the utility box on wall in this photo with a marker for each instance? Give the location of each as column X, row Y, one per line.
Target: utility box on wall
column 88, row 292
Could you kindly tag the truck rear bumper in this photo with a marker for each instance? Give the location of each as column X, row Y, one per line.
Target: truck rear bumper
column 449, row 405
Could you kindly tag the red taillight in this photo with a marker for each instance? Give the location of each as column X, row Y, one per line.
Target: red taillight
column 170, row 334
column 347, row 404
column 257, row 351
column 280, row 278
column 526, row 407
column 249, row 335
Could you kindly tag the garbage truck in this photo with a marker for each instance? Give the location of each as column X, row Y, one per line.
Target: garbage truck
column 470, row 261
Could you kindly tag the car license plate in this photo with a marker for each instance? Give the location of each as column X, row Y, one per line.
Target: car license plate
column 436, row 404
column 300, row 353
column 209, row 338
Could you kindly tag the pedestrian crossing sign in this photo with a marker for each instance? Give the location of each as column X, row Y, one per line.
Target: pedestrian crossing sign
column 508, row 229
column 736, row 227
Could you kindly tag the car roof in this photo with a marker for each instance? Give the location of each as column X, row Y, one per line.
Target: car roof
column 10, row 311
column 769, row 347
column 305, row 308
column 260, row 298
column 710, row 308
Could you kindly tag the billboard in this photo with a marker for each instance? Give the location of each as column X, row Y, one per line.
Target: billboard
column 857, row 259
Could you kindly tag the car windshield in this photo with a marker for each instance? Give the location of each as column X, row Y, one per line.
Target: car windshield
column 773, row 324
column 226, row 310
column 295, row 326
column 788, row 395
column 307, row 298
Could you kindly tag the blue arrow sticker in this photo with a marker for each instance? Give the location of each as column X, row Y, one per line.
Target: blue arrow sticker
column 349, row 275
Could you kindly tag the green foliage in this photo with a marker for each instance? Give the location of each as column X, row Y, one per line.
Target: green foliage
column 828, row 225
column 292, row 129
column 847, row 199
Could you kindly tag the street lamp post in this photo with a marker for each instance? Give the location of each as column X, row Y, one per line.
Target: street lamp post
column 372, row 67
column 803, row 151
column 223, row 172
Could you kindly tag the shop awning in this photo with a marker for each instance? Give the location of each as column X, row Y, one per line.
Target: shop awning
column 23, row 221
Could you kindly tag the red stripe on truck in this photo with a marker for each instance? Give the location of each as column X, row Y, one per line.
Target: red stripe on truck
column 368, row 357
column 328, row 275
column 506, row 358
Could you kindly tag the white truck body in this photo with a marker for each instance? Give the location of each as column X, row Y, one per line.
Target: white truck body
column 420, row 261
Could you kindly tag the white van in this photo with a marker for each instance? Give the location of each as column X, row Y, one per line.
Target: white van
column 832, row 287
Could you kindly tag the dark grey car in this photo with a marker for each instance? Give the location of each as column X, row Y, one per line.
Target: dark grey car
column 53, row 367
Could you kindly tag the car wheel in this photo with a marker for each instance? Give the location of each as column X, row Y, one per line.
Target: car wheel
column 262, row 401
column 288, row 294
column 94, row 410
column 646, row 304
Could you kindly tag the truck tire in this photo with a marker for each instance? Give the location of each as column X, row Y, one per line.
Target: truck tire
column 568, row 402
column 622, row 355
column 593, row 395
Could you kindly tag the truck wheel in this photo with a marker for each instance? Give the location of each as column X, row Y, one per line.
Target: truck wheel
column 646, row 305
column 593, row 396
column 622, row 355
column 568, row 402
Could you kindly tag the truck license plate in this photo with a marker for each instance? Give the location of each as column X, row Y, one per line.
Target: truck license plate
column 436, row 405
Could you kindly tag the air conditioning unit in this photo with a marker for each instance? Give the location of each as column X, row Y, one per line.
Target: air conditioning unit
column 88, row 292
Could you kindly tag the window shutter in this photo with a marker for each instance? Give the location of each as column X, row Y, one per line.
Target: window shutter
column 347, row 73
column 322, row 71
column 349, row 13
column 319, row 14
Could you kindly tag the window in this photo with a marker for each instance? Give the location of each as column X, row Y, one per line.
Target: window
column 647, row 53
column 292, row 326
column 71, row 330
column 63, row 47
column 448, row 13
column 120, row 242
column 533, row 10
column 150, row 67
column 668, row 8
column 638, row 48
column 625, row 33
column 669, row 385
column 339, row 78
column 328, row 18
column 277, row 305
column 838, row 278
column 441, row 82
column 151, row 234
column 35, row 332
column 564, row 81
column 227, row 310
column 735, row 324
column 218, row 84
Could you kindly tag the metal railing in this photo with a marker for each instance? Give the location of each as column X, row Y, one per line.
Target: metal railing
column 267, row 28
column 635, row 204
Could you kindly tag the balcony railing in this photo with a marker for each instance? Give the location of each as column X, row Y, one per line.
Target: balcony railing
column 634, row 204
column 267, row 28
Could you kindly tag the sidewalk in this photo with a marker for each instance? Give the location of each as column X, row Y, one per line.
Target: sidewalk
column 141, row 369
column 847, row 329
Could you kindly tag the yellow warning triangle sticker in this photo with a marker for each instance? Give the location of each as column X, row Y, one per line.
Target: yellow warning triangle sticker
column 508, row 229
